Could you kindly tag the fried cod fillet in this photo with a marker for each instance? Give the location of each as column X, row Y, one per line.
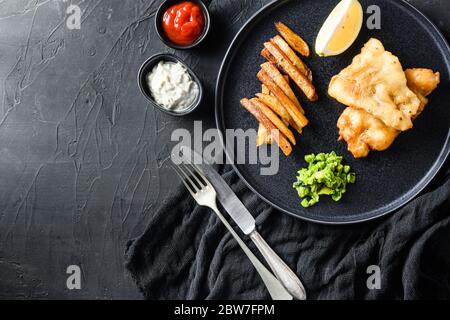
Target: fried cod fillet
column 375, row 82
column 422, row 82
column 364, row 132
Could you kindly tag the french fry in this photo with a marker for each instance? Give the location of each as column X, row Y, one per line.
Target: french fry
column 290, row 106
column 263, row 136
column 270, row 58
column 300, row 79
column 266, row 55
column 264, row 89
column 274, row 119
column 277, row 136
column 294, row 40
column 295, row 59
column 273, row 103
column 280, row 80
column 295, row 126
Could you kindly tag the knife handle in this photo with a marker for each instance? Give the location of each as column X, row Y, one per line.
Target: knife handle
column 286, row 276
column 276, row 290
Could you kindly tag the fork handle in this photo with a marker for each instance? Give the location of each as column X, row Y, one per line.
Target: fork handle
column 273, row 285
column 286, row 276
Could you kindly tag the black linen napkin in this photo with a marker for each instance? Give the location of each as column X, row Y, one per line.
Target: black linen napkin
column 186, row 252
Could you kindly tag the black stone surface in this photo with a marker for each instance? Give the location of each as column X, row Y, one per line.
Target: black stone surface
column 81, row 155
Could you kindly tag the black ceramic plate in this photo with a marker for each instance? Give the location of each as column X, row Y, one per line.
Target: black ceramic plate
column 385, row 180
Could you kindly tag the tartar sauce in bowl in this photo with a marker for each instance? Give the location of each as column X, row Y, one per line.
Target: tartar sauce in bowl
column 172, row 87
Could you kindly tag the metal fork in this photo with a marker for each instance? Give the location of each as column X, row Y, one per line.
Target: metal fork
column 205, row 195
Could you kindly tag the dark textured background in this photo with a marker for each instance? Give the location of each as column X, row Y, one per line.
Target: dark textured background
column 82, row 158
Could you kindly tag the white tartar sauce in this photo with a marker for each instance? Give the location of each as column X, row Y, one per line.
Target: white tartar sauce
column 171, row 86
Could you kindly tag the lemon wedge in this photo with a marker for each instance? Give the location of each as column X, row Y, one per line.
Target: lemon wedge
column 340, row 29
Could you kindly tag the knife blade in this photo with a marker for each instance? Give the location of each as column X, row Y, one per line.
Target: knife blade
column 225, row 195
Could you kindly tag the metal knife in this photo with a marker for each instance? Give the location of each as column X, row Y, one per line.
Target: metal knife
column 245, row 221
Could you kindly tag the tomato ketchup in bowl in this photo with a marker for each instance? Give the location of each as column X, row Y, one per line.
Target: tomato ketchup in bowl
column 182, row 24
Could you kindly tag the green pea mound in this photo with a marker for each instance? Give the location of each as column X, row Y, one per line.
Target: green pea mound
column 325, row 175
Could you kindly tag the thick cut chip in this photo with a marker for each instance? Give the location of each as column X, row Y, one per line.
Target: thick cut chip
column 375, row 82
column 294, row 40
column 281, row 81
column 277, row 136
column 296, row 61
column 294, row 73
column 290, row 106
column 272, row 116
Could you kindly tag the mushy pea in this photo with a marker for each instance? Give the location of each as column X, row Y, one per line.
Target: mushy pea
column 325, row 175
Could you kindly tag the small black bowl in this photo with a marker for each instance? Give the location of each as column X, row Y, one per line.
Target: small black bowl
column 159, row 18
column 147, row 67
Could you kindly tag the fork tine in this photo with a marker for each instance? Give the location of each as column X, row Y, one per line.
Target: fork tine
column 200, row 173
column 191, row 183
column 200, row 183
column 183, row 180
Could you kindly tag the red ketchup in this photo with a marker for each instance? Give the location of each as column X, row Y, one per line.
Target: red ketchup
column 183, row 23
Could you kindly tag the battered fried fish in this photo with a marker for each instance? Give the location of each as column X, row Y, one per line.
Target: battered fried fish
column 364, row 132
column 375, row 82
column 422, row 82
